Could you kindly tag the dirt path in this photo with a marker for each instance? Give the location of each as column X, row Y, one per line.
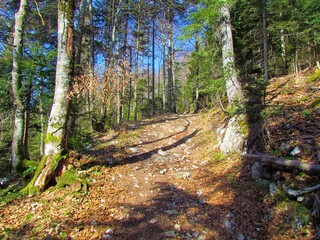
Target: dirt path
column 153, row 181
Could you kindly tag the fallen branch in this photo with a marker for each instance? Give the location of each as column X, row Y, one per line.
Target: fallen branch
column 296, row 193
column 295, row 164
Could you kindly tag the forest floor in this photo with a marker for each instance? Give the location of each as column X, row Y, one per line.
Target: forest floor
column 160, row 178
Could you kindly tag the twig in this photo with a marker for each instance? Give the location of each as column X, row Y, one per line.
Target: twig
column 35, row 2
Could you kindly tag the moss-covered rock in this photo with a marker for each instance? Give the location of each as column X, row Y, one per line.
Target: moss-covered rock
column 70, row 178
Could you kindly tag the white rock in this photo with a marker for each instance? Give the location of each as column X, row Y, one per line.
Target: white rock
column 177, row 226
column 295, row 152
column 300, row 199
column 153, row 221
column 134, row 150
column 232, row 140
column 163, row 171
column 162, row 153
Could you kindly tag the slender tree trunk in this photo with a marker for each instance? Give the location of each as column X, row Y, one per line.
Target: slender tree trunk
column 16, row 81
column 91, row 65
column 153, row 68
column 81, row 24
column 170, row 64
column 27, row 120
column 55, row 145
column 232, row 83
column 42, row 123
column 164, row 99
column 265, row 43
column 135, row 96
column 283, row 52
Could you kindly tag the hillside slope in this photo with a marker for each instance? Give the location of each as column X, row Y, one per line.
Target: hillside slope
column 165, row 178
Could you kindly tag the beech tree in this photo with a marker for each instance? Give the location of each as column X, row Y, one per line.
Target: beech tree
column 18, row 153
column 54, row 149
column 233, row 87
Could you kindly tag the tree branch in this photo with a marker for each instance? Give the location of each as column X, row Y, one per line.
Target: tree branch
column 295, row 164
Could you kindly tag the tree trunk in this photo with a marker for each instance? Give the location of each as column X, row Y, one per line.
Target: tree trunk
column 170, row 63
column 265, row 43
column 135, row 94
column 295, row 164
column 232, row 84
column 153, row 69
column 56, row 132
column 16, row 81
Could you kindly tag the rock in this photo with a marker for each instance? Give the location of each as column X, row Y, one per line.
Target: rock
column 163, row 171
column 284, row 148
column 177, row 226
column 241, row 237
column 199, row 192
column 296, row 152
column 4, row 181
column 300, row 199
column 233, row 140
column 107, row 236
column 256, row 170
column 196, row 234
column 134, row 150
column 170, row 234
column 273, row 189
column 94, row 223
column 171, row 212
column 153, row 221
column 162, row 153
column 109, row 161
column 229, row 222
column 75, row 187
column 109, row 231
column 183, row 175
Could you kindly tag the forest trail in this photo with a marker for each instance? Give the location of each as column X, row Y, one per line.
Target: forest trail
column 161, row 178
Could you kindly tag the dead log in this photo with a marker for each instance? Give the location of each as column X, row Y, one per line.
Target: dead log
column 296, row 193
column 310, row 168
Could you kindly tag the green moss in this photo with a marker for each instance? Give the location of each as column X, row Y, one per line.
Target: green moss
column 314, row 77
column 244, row 126
column 30, row 189
column 51, row 138
column 315, row 103
column 27, row 167
column 56, row 158
column 70, row 177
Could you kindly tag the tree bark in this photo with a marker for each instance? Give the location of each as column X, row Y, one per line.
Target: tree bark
column 232, row 84
column 265, row 43
column 295, row 164
column 16, row 81
column 56, row 132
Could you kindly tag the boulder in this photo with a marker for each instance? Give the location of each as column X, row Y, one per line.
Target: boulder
column 231, row 138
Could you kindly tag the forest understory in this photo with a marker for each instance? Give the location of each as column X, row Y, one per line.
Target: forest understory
column 165, row 178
